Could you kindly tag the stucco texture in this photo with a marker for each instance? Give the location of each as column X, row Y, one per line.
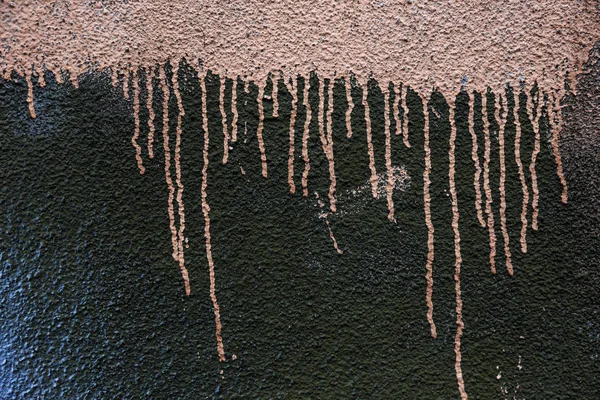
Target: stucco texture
column 328, row 290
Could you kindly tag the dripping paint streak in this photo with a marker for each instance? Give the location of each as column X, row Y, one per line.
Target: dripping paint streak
column 428, row 222
column 553, row 110
column 151, row 115
column 181, row 212
column 475, row 158
column 396, row 109
column 305, row 138
column 205, row 211
column 536, row 129
column 373, row 179
column 234, row 110
column 521, row 175
column 292, row 88
column 327, row 138
column 502, row 124
column 455, row 216
column 136, row 120
column 405, row 116
column 224, row 119
column 350, row 107
column 165, row 90
column 40, row 73
column 486, row 183
column 389, row 188
column 259, row 131
column 126, row 84
column 324, row 215
column 274, row 93
column 114, row 78
column 30, row 93
column 74, row 78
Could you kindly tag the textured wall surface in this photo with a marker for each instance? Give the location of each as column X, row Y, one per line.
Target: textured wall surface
column 313, row 303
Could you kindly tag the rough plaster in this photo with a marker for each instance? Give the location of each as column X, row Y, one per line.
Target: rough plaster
column 371, row 49
column 424, row 44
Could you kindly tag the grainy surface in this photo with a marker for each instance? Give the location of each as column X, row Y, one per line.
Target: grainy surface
column 93, row 306
column 424, row 43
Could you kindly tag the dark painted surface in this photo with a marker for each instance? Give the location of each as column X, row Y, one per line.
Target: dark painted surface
column 92, row 304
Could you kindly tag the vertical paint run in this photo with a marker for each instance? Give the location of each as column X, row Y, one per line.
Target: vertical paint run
column 234, row 110
column 521, row 174
column 292, row 88
column 455, row 216
column 136, row 121
column 151, row 114
column 475, row 157
column 324, row 216
column 373, row 179
column 486, row 183
column 224, row 119
column 165, row 90
column 126, row 84
column 396, row 110
column 350, row 106
column 30, row 93
column 535, row 121
column 555, row 110
column 305, row 137
column 502, row 124
column 405, row 116
column 327, row 137
column 428, row 222
column 181, row 210
column 40, row 74
column 259, row 131
column 274, row 93
column 389, row 188
column 206, row 211
column 74, row 78
column 114, row 77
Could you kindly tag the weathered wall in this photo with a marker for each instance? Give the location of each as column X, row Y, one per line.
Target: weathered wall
column 93, row 304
